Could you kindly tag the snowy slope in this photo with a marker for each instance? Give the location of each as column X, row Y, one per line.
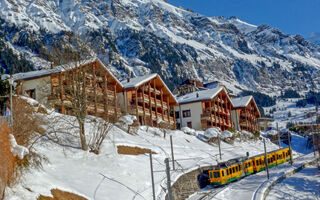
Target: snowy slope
column 73, row 170
column 302, row 185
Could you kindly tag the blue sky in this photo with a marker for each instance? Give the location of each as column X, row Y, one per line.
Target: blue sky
column 291, row 16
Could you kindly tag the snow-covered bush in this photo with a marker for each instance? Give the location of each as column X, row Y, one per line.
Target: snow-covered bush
column 127, row 121
column 188, row 130
column 17, row 150
column 212, row 132
column 98, row 134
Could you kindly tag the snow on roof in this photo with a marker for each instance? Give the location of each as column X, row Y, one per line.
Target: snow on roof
column 137, row 81
column 60, row 68
column 199, row 95
column 241, row 101
column 34, row 74
column 57, row 69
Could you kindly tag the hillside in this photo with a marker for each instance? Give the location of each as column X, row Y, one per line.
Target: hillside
column 136, row 37
column 114, row 174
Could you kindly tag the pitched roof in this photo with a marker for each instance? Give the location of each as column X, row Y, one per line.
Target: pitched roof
column 60, row 68
column 137, row 81
column 202, row 95
column 241, row 101
column 56, row 69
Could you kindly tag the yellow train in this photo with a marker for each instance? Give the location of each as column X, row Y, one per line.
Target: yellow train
column 237, row 168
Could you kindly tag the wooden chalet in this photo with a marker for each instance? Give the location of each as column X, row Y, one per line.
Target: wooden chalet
column 205, row 109
column 246, row 114
column 150, row 100
column 53, row 87
column 100, row 85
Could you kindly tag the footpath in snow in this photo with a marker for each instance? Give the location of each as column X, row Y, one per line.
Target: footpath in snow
column 303, row 185
column 254, row 186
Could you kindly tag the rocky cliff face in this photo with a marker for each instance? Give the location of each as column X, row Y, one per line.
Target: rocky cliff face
column 136, row 37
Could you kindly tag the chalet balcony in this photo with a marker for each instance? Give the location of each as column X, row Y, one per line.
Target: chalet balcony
column 146, row 89
column 133, row 111
column 147, row 99
column 110, row 110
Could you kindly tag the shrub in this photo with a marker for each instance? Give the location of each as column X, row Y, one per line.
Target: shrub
column 256, row 133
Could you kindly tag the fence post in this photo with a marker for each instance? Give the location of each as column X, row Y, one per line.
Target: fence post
column 266, row 157
column 219, row 141
column 313, row 145
column 290, row 150
column 166, row 161
column 152, row 178
column 279, row 139
column 172, row 154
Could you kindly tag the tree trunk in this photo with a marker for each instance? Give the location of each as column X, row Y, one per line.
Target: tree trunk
column 84, row 145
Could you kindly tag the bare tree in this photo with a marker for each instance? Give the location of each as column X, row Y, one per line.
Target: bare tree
column 98, row 134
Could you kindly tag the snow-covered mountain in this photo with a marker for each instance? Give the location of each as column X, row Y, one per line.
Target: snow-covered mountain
column 144, row 36
column 314, row 37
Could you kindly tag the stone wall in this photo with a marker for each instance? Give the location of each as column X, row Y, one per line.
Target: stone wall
column 187, row 184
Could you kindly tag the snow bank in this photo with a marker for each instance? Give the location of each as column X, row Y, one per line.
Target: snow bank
column 226, row 134
column 272, row 132
column 188, row 130
column 212, row 132
column 128, row 119
column 16, row 149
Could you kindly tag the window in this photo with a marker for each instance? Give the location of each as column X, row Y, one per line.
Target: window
column 177, row 114
column 222, row 172
column 230, row 172
column 31, row 93
column 186, row 113
column 178, row 126
column 216, row 174
column 189, row 124
column 227, row 172
column 233, row 170
column 257, row 162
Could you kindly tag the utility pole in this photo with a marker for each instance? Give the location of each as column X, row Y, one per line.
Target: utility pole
column 152, row 178
column 314, row 144
column 219, row 141
column 290, row 150
column 166, row 161
column 11, row 111
column 279, row 139
column 266, row 157
column 172, row 154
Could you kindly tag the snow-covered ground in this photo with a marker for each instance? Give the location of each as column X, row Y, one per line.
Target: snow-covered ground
column 110, row 175
column 285, row 111
column 302, row 185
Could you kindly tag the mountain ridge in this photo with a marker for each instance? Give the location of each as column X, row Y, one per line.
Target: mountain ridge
column 135, row 37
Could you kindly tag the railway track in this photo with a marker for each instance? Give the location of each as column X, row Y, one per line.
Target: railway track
column 207, row 194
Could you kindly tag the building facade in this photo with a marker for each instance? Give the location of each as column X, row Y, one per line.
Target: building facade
column 150, row 100
column 205, row 109
column 59, row 88
column 245, row 114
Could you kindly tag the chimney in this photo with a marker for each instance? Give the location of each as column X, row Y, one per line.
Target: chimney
column 197, row 95
column 128, row 79
column 51, row 66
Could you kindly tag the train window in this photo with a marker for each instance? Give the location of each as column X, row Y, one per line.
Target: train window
column 216, row 174
column 240, row 167
column 227, row 172
column 249, row 164
column 283, row 154
column 237, row 168
column 233, row 170
column 230, row 172
column 222, row 172
column 257, row 163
